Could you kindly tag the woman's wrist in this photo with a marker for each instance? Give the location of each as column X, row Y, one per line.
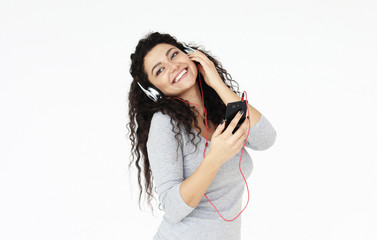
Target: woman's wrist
column 225, row 93
column 214, row 161
column 219, row 86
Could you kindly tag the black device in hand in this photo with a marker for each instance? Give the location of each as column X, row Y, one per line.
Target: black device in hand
column 231, row 110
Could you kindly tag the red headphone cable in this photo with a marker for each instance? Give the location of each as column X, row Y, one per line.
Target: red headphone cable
column 239, row 165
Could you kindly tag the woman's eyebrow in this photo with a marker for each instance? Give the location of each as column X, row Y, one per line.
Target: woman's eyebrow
column 167, row 53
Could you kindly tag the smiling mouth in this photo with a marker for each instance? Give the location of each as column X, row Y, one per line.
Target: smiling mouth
column 180, row 76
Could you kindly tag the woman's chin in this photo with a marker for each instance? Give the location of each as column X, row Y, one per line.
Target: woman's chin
column 187, row 90
column 185, row 83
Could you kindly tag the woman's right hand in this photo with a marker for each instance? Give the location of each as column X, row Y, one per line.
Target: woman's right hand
column 224, row 145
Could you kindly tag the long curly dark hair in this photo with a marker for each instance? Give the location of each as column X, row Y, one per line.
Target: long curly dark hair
column 141, row 108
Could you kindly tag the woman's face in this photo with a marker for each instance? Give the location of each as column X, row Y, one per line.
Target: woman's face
column 170, row 69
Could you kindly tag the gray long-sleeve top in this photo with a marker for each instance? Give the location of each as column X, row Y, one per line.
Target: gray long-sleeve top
column 171, row 165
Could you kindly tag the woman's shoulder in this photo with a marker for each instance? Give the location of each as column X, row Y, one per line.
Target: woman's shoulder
column 163, row 126
column 160, row 117
column 162, row 120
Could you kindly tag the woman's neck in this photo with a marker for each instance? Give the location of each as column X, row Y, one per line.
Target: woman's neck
column 193, row 95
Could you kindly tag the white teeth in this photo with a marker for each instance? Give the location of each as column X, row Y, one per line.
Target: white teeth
column 180, row 75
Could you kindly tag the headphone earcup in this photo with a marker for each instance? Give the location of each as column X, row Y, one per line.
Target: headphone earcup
column 152, row 92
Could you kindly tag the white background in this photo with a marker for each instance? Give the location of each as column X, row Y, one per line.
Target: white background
column 308, row 66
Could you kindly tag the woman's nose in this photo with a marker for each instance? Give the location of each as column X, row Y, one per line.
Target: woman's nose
column 175, row 67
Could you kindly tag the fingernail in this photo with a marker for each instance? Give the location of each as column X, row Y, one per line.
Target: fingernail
column 222, row 121
column 241, row 111
column 247, row 117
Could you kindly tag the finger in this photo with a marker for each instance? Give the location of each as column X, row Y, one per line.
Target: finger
column 233, row 123
column 196, row 51
column 240, row 143
column 242, row 131
column 200, row 54
column 245, row 128
column 199, row 58
column 200, row 68
column 245, row 125
column 195, row 57
column 244, row 135
column 219, row 129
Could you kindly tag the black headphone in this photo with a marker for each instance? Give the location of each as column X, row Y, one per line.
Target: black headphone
column 154, row 93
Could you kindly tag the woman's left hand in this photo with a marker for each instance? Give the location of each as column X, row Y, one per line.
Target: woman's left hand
column 207, row 68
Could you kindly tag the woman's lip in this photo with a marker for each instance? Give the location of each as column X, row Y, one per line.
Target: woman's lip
column 179, row 73
column 184, row 75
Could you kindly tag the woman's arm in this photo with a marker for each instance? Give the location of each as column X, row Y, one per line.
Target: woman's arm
column 194, row 187
column 228, row 96
column 213, row 79
column 224, row 145
column 166, row 164
column 180, row 196
column 262, row 133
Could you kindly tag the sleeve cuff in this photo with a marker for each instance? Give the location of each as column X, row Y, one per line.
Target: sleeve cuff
column 175, row 207
column 262, row 135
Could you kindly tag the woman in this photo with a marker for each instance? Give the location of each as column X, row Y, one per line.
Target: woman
column 168, row 134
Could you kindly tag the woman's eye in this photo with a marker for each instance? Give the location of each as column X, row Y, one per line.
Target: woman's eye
column 158, row 72
column 174, row 54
